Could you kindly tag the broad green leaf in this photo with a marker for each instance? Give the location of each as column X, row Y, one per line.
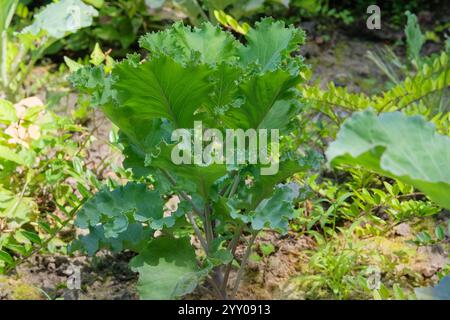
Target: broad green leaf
column 203, row 177
column 135, row 237
column 162, row 88
column 225, row 94
column 274, row 212
column 6, row 257
column 167, row 269
column 125, row 218
column 440, row 292
column 401, row 147
column 115, row 210
column 288, row 166
column 16, row 209
column 60, row 18
column 268, row 102
column 269, row 44
column 140, row 140
column 267, row 249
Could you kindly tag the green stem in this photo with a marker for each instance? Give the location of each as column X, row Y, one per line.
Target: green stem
column 232, row 247
column 234, row 186
column 183, row 194
column 243, row 264
column 191, row 218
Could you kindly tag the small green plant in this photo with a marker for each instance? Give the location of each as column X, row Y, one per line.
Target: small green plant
column 336, row 270
column 416, row 63
column 40, row 168
column 424, row 238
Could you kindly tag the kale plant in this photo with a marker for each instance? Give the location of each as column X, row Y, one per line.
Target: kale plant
column 190, row 76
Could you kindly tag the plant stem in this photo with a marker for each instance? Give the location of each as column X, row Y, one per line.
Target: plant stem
column 208, row 226
column 183, row 194
column 232, row 246
column 215, row 288
column 198, row 233
column 234, row 186
column 243, row 264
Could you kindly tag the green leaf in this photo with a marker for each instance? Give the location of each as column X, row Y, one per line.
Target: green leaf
column 72, row 64
column 268, row 102
column 6, row 13
column 267, row 249
column 116, row 209
column 140, row 139
column 167, row 269
column 203, row 177
column 63, row 17
column 220, row 257
column 440, row 233
column 274, row 212
column 97, row 55
column 440, row 292
column 209, row 43
column 16, row 209
column 7, row 10
column 162, row 88
column 8, row 154
column 401, row 147
column 96, row 3
column 7, row 112
column 263, row 186
column 424, row 237
column 5, row 256
column 269, row 44
column 414, row 37
column 32, row 236
column 134, row 238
